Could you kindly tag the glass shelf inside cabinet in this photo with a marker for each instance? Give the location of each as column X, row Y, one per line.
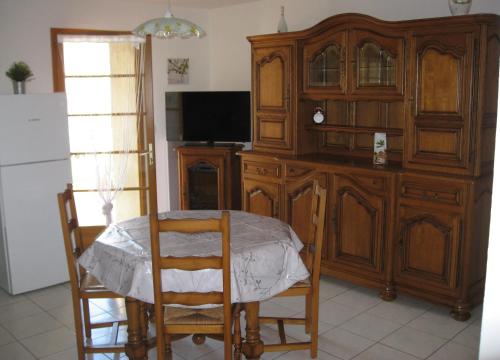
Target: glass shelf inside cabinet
column 376, row 66
column 324, row 68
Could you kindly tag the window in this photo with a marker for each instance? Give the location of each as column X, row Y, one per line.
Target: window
column 99, row 72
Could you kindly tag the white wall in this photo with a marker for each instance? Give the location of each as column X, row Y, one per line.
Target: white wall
column 25, row 35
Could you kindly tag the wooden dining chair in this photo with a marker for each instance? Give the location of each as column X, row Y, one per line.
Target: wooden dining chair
column 309, row 288
column 83, row 285
column 176, row 322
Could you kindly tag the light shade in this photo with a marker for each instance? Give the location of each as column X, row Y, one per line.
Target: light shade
column 169, row 27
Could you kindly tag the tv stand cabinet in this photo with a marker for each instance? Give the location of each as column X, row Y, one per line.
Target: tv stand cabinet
column 209, row 177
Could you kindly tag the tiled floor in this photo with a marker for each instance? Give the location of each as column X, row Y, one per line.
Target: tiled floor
column 354, row 324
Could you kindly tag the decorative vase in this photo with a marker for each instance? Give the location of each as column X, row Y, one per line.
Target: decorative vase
column 459, row 7
column 282, row 27
column 19, row 87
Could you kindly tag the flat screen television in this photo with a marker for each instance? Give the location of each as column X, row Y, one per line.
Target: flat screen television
column 208, row 116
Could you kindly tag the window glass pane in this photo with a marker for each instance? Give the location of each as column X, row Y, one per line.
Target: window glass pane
column 81, row 58
column 102, row 133
column 89, row 207
column 84, row 171
column 100, row 95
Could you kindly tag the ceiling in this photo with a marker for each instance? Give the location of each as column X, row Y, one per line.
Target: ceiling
column 205, row 4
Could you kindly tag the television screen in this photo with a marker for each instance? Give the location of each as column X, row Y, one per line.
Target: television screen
column 208, row 116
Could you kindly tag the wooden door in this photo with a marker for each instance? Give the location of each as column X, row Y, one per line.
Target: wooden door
column 429, row 247
column 261, row 197
column 377, row 63
column 358, row 223
column 324, row 62
column 273, row 94
column 202, row 182
column 439, row 125
column 298, row 200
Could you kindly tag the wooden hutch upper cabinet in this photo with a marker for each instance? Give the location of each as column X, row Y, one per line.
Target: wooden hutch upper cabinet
column 355, row 61
column 418, row 224
column 273, row 94
column 444, row 81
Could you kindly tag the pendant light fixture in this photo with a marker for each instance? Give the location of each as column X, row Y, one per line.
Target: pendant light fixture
column 169, row 27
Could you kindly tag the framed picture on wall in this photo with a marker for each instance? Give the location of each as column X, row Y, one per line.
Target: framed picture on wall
column 178, row 71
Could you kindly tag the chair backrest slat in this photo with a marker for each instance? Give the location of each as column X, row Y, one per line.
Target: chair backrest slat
column 192, row 298
column 191, row 263
column 190, row 226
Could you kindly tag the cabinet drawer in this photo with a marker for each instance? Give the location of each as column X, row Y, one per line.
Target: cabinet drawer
column 293, row 171
column 444, row 192
column 262, row 169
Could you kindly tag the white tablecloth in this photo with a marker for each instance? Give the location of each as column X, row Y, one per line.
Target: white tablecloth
column 264, row 257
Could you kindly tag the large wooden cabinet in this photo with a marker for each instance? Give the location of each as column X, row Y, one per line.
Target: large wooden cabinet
column 419, row 224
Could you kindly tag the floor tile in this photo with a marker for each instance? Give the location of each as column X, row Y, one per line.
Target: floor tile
column 400, row 311
column 6, row 298
column 305, row 354
column 335, row 314
column 109, row 305
column 439, row 323
column 269, row 308
column 18, row 310
column 298, row 331
column 64, row 315
column 15, row 351
column 469, row 337
column 357, row 298
column 5, row 337
column 31, row 325
column 64, row 355
column 343, row 344
column 414, row 342
column 57, row 297
column 370, row 326
column 50, row 342
column 382, row 352
column 455, row 352
column 188, row 350
column 330, row 287
column 295, row 303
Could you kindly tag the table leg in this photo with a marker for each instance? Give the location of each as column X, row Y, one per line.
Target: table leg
column 136, row 347
column 253, row 347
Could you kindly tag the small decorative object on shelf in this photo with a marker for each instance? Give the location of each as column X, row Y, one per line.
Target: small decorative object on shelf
column 379, row 147
column 318, row 116
column 282, row 27
column 459, row 7
column 19, row 73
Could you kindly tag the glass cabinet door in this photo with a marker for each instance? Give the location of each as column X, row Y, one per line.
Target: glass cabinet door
column 324, row 68
column 324, row 64
column 377, row 63
column 376, row 66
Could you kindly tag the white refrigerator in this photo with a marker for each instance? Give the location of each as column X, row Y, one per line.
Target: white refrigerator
column 34, row 167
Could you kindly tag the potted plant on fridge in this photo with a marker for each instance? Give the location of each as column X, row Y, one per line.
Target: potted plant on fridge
column 19, row 72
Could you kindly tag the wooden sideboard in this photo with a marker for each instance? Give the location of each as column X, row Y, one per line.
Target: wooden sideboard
column 420, row 223
column 209, row 177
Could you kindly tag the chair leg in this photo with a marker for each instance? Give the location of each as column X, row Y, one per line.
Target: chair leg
column 77, row 317
column 86, row 318
column 308, row 314
column 314, row 327
column 237, row 333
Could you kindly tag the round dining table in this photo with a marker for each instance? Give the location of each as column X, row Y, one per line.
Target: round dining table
column 265, row 261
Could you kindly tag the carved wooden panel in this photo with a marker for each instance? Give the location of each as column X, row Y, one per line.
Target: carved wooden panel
column 440, row 81
column 261, row 198
column 272, row 131
column 358, row 223
column 272, row 69
column 438, row 143
column 429, row 246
